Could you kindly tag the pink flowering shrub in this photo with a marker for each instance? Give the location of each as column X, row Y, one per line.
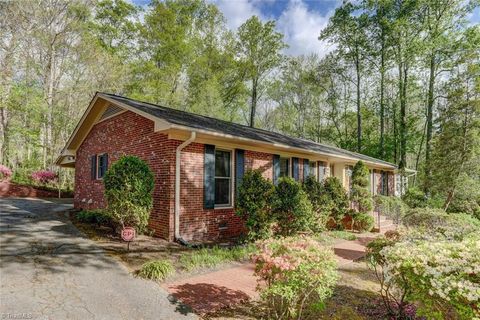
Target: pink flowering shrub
column 5, row 172
column 295, row 276
column 44, row 176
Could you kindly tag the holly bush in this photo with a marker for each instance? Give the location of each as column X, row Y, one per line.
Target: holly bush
column 129, row 184
column 254, row 204
column 292, row 209
column 314, row 190
column 334, row 199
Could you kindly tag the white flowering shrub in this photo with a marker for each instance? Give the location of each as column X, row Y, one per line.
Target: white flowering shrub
column 441, row 277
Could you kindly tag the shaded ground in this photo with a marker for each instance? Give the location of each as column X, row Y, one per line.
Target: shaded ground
column 49, row 270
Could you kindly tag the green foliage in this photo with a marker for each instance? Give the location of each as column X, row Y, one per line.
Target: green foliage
column 254, row 201
column 392, row 207
column 362, row 222
column 292, row 208
column 334, row 199
column 467, row 197
column 415, row 198
column 215, row 256
column 129, row 184
column 438, row 223
column 360, row 194
column 340, row 234
column 297, row 275
column 97, row 216
column 314, row 190
column 157, row 270
column 439, row 276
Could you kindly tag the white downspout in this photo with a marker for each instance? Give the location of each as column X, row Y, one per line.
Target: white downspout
column 178, row 154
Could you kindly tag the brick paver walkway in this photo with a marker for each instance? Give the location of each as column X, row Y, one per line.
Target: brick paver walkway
column 218, row 289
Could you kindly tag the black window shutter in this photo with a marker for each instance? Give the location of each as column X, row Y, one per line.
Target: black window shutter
column 239, row 168
column 296, row 175
column 306, row 169
column 94, row 166
column 209, row 177
column 276, row 168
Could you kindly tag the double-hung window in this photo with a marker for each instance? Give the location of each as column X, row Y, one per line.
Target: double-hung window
column 223, row 178
column 284, row 167
column 99, row 165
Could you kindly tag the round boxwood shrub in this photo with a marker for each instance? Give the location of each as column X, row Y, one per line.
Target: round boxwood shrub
column 292, row 208
column 129, row 184
column 254, row 200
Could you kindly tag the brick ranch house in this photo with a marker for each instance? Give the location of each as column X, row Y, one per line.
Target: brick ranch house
column 198, row 163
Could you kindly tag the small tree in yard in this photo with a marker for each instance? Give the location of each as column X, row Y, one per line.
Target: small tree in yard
column 292, row 208
column 254, row 200
column 314, row 190
column 129, row 184
column 361, row 197
column 334, row 199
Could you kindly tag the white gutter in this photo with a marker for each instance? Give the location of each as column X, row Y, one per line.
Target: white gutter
column 178, row 155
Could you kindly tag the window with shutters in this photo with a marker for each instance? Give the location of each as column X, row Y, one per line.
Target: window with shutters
column 223, row 178
column 348, row 177
column 102, row 163
column 284, row 167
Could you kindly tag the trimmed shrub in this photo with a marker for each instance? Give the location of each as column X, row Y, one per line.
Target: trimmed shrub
column 296, row 276
column 253, row 204
column 292, row 208
column 415, row 198
column 360, row 195
column 334, row 199
column 362, row 222
column 129, row 184
column 157, row 270
column 98, row 216
column 5, row 173
column 44, row 177
column 313, row 189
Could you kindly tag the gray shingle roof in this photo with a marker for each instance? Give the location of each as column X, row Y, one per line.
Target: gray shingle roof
column 200, row 122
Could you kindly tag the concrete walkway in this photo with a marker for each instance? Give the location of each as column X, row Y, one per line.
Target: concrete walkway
column 219, row 289
column 48, row 270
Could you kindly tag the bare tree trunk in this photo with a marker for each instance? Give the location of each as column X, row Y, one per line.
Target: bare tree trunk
column 359, row 115
column 382, row 103
column 428, row 142
column 253, row 108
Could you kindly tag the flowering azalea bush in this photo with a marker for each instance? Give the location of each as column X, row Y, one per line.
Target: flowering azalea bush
column 442, row 277
column 295, row 274
column 5, row 172
column 44, row 176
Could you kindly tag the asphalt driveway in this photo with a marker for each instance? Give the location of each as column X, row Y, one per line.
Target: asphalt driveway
column 48, row 270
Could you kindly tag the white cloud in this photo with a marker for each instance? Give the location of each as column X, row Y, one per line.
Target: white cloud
column 302, row 27
column 238, row 11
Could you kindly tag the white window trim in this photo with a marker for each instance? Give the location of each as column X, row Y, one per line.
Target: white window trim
column 231, row 205
column 98, row 166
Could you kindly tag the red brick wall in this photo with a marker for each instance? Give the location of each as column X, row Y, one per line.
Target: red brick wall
column 129, row 133
column 132, row 134
column 259, row 161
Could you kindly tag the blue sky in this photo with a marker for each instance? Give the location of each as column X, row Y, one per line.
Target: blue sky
column 299, row 20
